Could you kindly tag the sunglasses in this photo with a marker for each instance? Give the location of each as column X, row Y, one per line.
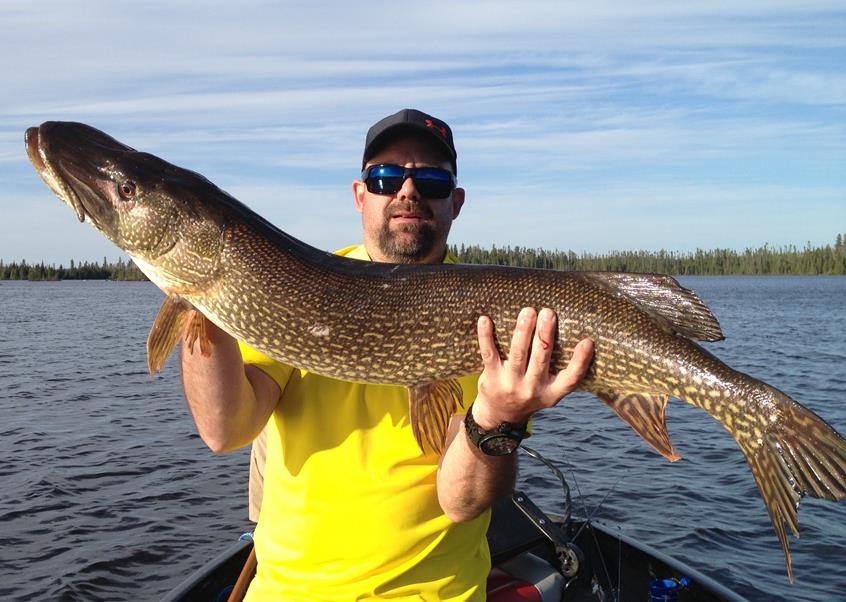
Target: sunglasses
column 386, row 179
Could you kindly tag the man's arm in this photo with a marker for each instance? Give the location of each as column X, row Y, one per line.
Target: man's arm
column 230, row 402
column 509, row 391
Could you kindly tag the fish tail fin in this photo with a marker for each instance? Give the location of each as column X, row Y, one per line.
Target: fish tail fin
column 431, row 406
column 797, row 454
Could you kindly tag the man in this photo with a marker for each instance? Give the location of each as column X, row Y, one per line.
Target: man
column 352, row 508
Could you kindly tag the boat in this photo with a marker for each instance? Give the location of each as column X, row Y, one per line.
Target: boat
column 535, row 557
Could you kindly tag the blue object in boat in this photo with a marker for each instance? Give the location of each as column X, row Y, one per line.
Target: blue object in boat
column 666, row 590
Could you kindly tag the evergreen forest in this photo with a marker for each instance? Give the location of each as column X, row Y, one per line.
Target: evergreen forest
column 810, row 260
column 825, row 260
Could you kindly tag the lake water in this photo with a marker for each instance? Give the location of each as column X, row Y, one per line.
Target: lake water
column 108, row 494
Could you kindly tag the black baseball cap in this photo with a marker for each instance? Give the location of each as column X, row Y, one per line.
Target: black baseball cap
column 414, row 121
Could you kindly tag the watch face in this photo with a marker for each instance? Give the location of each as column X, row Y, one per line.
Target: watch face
column 498, row 445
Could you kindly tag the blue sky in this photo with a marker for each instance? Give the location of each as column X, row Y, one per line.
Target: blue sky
column 591, row 126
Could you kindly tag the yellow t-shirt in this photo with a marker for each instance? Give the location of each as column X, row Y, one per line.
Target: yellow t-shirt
column 350, row 508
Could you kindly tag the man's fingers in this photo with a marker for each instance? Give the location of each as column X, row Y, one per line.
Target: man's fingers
column 521, row 341
column 568, row 379
column 542, row 345
column 487, row 344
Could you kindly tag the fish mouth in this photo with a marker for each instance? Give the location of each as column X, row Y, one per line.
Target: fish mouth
column 38, row 156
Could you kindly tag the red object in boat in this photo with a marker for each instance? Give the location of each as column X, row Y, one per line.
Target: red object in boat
column 525, row 578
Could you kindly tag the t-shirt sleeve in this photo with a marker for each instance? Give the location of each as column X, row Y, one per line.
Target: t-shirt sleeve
column 276, row 370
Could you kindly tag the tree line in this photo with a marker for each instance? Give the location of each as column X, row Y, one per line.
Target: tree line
column 790, row 260
column 86, row 270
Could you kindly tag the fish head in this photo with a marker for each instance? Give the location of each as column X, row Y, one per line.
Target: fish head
column 150, row 208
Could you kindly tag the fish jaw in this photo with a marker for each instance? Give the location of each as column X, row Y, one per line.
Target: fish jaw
column 54, row 181
column 76, row 162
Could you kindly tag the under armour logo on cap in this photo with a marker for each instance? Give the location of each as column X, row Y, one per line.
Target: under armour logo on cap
column 439, row 128
column 413, row 121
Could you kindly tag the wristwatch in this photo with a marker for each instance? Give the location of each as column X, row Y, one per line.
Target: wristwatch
column 500, row 441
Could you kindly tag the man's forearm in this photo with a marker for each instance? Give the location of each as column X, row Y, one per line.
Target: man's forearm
column 222, row 392
column 468, row 480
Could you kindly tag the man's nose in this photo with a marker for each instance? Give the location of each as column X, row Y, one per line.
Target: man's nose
column 408, row 190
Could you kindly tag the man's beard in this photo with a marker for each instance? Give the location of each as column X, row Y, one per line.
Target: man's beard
column 405, row 249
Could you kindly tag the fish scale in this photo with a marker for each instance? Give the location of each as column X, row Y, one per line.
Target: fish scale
column 416, row 325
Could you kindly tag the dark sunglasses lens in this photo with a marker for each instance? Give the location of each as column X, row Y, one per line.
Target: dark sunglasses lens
column 433, row 183
column 383, row 185
column 384, row 179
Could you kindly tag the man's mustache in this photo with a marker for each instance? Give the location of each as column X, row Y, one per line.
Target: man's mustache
column 404, row 207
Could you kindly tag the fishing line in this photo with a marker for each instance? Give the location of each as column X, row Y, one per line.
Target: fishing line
column 596, row 541
column 595, row 510
column 568, row 502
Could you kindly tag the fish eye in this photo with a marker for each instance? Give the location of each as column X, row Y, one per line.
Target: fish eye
column 126, row 189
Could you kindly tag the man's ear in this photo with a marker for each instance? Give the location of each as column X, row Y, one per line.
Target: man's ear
column 359, row 189
column 457, row 201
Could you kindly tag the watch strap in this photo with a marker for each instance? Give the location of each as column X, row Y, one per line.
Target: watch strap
column 505, row 431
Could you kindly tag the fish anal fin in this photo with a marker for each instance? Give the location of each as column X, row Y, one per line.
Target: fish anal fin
column 644, row 412
column 431, row 406
column 167, row 328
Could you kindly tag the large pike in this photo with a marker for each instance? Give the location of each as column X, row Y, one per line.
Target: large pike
column 416, row 325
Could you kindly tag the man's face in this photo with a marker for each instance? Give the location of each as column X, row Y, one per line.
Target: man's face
column 405, row 227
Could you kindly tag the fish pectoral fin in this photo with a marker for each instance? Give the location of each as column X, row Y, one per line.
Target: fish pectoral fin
column 644, row 412
column 198, row 330
column 168, row 326
column 431, row 406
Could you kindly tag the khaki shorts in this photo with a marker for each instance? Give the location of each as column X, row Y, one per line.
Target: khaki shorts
column 258, row 454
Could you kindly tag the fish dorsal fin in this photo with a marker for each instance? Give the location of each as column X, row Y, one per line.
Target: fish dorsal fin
column 431, row 407
column 663, row 298
column 644, row 412
column 168, row 327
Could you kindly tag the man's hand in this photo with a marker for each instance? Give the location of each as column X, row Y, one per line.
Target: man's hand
column 511, row 390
